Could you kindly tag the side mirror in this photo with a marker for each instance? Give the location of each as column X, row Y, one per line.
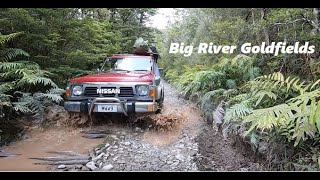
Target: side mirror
column 157, row 80
column 160, row 71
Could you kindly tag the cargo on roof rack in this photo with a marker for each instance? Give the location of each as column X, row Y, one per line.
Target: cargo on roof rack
column 141, row 47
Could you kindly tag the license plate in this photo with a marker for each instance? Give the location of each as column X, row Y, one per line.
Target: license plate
column 107, row 108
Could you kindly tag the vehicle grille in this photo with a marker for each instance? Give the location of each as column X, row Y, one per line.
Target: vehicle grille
column 91, row 92
column 124, row 92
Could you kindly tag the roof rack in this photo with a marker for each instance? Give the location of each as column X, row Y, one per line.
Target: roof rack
column 132, row 54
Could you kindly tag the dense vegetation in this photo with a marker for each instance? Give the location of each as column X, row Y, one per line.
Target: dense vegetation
column 41, row 49
column 271, row 101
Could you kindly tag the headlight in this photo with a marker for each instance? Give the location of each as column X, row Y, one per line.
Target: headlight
column 77, row 90
column 142, row 90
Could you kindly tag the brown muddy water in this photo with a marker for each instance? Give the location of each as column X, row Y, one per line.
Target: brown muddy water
column 38, row 142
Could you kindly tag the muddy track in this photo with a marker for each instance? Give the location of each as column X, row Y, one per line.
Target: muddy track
column 150, row 144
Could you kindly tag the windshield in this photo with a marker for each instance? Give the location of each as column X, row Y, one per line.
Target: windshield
column 131, row 64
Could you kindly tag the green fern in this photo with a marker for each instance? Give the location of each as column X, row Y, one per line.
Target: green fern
column 6, row 38
column 9, row 53
column 205, row 81
column 260, row 94
column 34, row 103
column 303, row 111
column 24, row 76
column 275, row 81
column 238, row 111
column 296, row 118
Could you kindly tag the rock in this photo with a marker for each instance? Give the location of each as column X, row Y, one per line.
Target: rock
column 180, row 146
column 138, row 129
column 169, row 162
column 91, row 165
column 98, row 157
column 170, row 158
column 78, row 166
column 135, row 134
column 127, row 143
column 107, row 167
column 121, row 162
column 243, row 169
column 194, row 168
column 175, row 164
column 114, row 137
column 115, row 147
column 263, row 147
column 85, row 168
column 115, row 158
column 61, row 166
column 180, row 157
column 100, row 164
column 107, row 145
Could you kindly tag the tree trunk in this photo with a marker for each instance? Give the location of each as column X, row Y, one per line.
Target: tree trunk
column 316, row 12
column 266, row 28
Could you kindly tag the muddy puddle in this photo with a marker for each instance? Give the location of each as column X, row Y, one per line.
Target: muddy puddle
column 37, row 143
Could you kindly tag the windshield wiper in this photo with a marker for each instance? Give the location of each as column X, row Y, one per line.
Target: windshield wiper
column 121, row 70
column 140, row 70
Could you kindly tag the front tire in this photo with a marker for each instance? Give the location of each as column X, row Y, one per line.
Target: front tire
column 160, row 103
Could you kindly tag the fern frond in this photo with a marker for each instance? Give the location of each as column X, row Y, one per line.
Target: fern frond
column 34, row 80
column 6, row 38
column 260, row 94
column 53, row 97
column 8, row 66
column 238, row 111
column 6, row 86
column 56, row 91
column 315, row 84
column 9, row 53
column 231, row 84
column 275, row 81
column 21, row 107
column 302, row 111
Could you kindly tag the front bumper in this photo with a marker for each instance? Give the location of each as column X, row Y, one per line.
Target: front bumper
column 122, row 107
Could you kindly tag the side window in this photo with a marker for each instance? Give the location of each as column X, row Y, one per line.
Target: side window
column 156, row 70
